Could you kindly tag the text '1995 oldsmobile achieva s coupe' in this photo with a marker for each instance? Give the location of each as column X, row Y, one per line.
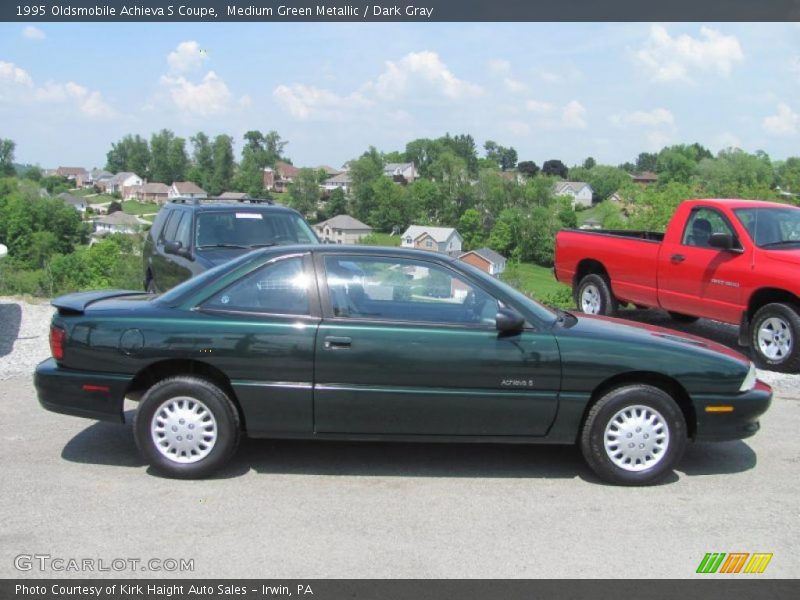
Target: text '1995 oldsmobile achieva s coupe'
column 360, row 343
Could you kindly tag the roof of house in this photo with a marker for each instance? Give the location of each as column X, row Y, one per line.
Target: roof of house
column 122, row 176
column 570, row 186
column 119, row 218
column 188, row 187
column 154, row 188
column 440, row 234
column 329, row 170
column 391, row 168
column 488, row 254
column 644, row 176
column 73, row 200
column 71, row 171
column 344, row 222
column 97, row 173
column 285, row 169
column 340, row 178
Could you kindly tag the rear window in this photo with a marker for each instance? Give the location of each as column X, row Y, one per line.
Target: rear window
column 251, row 228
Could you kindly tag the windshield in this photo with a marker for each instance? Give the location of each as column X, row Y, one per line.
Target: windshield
column 250, row 229
column 773, row 228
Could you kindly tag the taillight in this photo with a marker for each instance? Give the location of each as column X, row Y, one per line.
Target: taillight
column 57, row 338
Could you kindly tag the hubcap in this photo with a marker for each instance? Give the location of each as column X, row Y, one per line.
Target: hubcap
column 636, row 438
column 590, row 300
column 184, row 430
column 775, row 339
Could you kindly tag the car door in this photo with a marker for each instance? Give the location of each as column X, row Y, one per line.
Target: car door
column 260, row 331
column 409, row 346
column 698, row 279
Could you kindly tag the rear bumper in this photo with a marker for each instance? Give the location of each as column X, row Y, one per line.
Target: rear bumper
column 81, row 393
column 739, row 424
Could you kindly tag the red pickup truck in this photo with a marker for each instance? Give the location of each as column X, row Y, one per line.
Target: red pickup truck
column 734, row 261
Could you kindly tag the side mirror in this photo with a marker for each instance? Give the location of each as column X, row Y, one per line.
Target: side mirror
column 508, row 321
column 177, row 249
column 723, row 241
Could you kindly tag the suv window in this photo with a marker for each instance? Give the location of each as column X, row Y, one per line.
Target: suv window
column 172, row 226
column 277, row 288
column 184, row 233
column 399, row 289
column 251, row 228
column 701, row 224
column 158, row 224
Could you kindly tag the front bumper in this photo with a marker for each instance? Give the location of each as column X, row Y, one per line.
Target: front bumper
column 741, row 423
column 81, row 393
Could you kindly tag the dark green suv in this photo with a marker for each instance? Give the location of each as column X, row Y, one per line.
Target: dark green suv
column 190, row 236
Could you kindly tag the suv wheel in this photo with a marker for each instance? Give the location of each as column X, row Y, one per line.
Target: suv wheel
column 186, row 427
column 633, row 435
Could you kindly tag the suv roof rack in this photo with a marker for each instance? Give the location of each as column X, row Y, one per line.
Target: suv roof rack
column 218, row 199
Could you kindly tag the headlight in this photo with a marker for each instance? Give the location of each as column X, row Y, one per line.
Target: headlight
column 750, row 381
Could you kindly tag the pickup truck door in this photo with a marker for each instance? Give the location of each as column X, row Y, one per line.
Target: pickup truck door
column 698, row 280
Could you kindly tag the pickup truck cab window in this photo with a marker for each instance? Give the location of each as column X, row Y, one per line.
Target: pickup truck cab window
column 772, row 228
column 701, row 224
column 395, row 289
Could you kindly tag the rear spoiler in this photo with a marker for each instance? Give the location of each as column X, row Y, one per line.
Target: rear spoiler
column 77, row 303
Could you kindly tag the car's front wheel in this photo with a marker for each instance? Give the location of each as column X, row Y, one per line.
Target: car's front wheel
column 186, row 427
column 633, row 435
column 775, row 330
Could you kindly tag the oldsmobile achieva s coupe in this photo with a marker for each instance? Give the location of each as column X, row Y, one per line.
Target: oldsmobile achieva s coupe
column 360, row 343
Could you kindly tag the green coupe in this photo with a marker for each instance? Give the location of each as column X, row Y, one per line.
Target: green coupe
column 361, row 343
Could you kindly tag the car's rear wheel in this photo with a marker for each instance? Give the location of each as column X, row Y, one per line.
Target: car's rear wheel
column 186, row 427
column 593, row 296
column 775, row 331
column 682, row 318
column 633, row 435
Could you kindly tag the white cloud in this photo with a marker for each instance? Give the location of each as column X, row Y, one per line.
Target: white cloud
column 727, row 140
column 306, row 102
column 17, row 85
column 421, row 71
column 666, row 58
column 538, row 107
column 652, row 118
column 573, row 115
column 33, row 33
column 518, row 128
column 499, row 66
column 514, row 86
column 187, row 56
column 246, row 101
column 785, row 122
column 210, row 96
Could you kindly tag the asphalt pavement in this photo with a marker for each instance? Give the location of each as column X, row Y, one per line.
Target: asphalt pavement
column 77, row 489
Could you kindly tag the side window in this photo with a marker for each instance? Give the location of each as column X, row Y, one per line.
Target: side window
column 183, row 234
column 397, row 289
column 171, row 228
column 278, row 288
column 158, row 225
column 701, row 224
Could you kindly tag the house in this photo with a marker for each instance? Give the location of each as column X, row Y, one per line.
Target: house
column 591, row 223
column 512, row 177
column 75, row 202
column 437, row 239
column 239, row 196
column 401, row 172
column 101, row 178
column 485, row 259
column 153, row 192
column 186, row 189
column 277, row 179
column 117, row 222
column 342, row 181
column 79, row 175
column 329, row 170
column 342, row 229
column 580, row 192
column 124, row 184
column 644, row 178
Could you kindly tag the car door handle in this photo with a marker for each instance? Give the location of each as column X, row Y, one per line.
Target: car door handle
column 678, row 258
column 338, row 343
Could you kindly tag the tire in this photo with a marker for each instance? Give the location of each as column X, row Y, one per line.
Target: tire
column 593, row 296
column 659, row 442
column 682, row 318
column 775, row 337
column 186, row 405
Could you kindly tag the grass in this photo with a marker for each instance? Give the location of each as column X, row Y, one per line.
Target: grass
column 100, row 199
column 134, row 207
column 538, row 282
column 380, row 239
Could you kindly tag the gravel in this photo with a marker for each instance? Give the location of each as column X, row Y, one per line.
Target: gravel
column 24, row 342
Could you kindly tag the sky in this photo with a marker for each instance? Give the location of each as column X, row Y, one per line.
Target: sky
column 550, row 90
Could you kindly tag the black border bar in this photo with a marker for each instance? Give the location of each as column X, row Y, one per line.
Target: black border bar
column 32, row 11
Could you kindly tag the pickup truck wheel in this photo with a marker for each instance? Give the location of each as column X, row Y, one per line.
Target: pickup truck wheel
column 633, row 435
column 775, row 331
column 682, row 318
column 594, row 297
column 186, row 427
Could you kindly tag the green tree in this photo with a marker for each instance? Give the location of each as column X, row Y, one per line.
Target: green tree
column 304, row 193
column 606, row 180
column 788, row 175
column 202, row 161
column 528, row 168
column 336, row 204
column 589, row 163
column 364, row 172
column 470, row 226
column 646, row 161
column 735, row 173
column 391, row 208
column 34, row 174
column 178, row 159
column 7, row 148
column 160, row 168
column 223, row 165
column 556, row 168
column 130, row 154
